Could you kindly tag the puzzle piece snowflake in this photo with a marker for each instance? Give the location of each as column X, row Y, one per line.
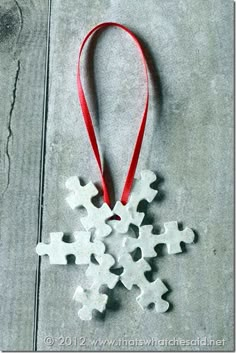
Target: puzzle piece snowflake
column 111, row 242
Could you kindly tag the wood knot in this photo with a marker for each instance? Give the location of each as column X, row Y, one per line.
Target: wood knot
column 10, row 23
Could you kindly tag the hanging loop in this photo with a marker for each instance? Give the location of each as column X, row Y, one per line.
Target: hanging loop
column 89, row 124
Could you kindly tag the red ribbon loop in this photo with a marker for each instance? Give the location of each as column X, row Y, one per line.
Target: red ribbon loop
column 89, row 123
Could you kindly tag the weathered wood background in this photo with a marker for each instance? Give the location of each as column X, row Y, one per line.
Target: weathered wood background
column 188, row 142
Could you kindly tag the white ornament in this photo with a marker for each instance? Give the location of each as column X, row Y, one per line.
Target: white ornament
column 111, row 242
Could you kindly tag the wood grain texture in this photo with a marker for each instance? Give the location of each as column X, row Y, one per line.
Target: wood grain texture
column 189, row 142
column 23, row 42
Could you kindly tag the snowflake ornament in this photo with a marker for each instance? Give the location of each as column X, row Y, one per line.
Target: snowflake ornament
column 108, row 244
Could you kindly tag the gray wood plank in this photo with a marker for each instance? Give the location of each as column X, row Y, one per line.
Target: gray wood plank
column 189, row 142
column 23, row 43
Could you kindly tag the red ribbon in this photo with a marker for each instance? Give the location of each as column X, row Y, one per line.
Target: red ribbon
column 89, row 123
